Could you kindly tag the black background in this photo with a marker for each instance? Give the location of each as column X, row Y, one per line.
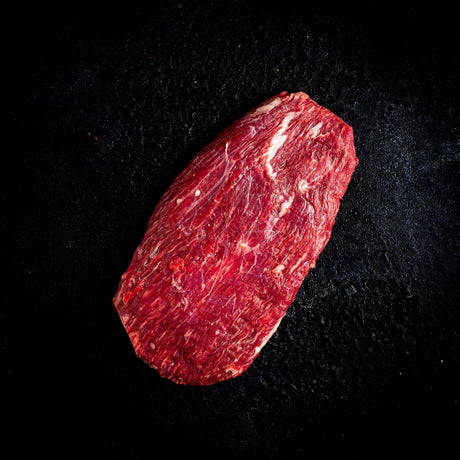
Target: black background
column 108, row 105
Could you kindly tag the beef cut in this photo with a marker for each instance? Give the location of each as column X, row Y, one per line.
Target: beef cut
column 232, row 239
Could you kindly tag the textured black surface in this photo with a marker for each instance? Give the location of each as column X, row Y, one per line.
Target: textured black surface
column 109, row 105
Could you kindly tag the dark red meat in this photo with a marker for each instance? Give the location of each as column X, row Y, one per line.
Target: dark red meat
column 232, row 239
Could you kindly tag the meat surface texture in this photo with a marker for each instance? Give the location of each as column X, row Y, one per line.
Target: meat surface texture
column 232, row 239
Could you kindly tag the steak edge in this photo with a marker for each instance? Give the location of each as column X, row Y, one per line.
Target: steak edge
column 232, row 239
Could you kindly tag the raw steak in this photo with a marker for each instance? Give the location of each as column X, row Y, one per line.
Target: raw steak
column 232, row 239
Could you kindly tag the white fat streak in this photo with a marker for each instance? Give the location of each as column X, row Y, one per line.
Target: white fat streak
column 314, row 131
column 278, row 269
column 285, row 205
column 244, row 246
column 302, row 186
column 267, row 107
column 276, row 142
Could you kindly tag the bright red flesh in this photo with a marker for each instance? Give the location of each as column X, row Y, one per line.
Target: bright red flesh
column 232, row 239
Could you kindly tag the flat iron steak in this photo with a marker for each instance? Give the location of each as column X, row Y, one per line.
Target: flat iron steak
column 232, row 239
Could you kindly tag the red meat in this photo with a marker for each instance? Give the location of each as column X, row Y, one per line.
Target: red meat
column 232, row 239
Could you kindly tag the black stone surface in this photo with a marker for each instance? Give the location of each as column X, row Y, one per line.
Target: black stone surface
column 109, row 104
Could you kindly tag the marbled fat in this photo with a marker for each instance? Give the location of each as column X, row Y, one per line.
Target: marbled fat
column 232, row 239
